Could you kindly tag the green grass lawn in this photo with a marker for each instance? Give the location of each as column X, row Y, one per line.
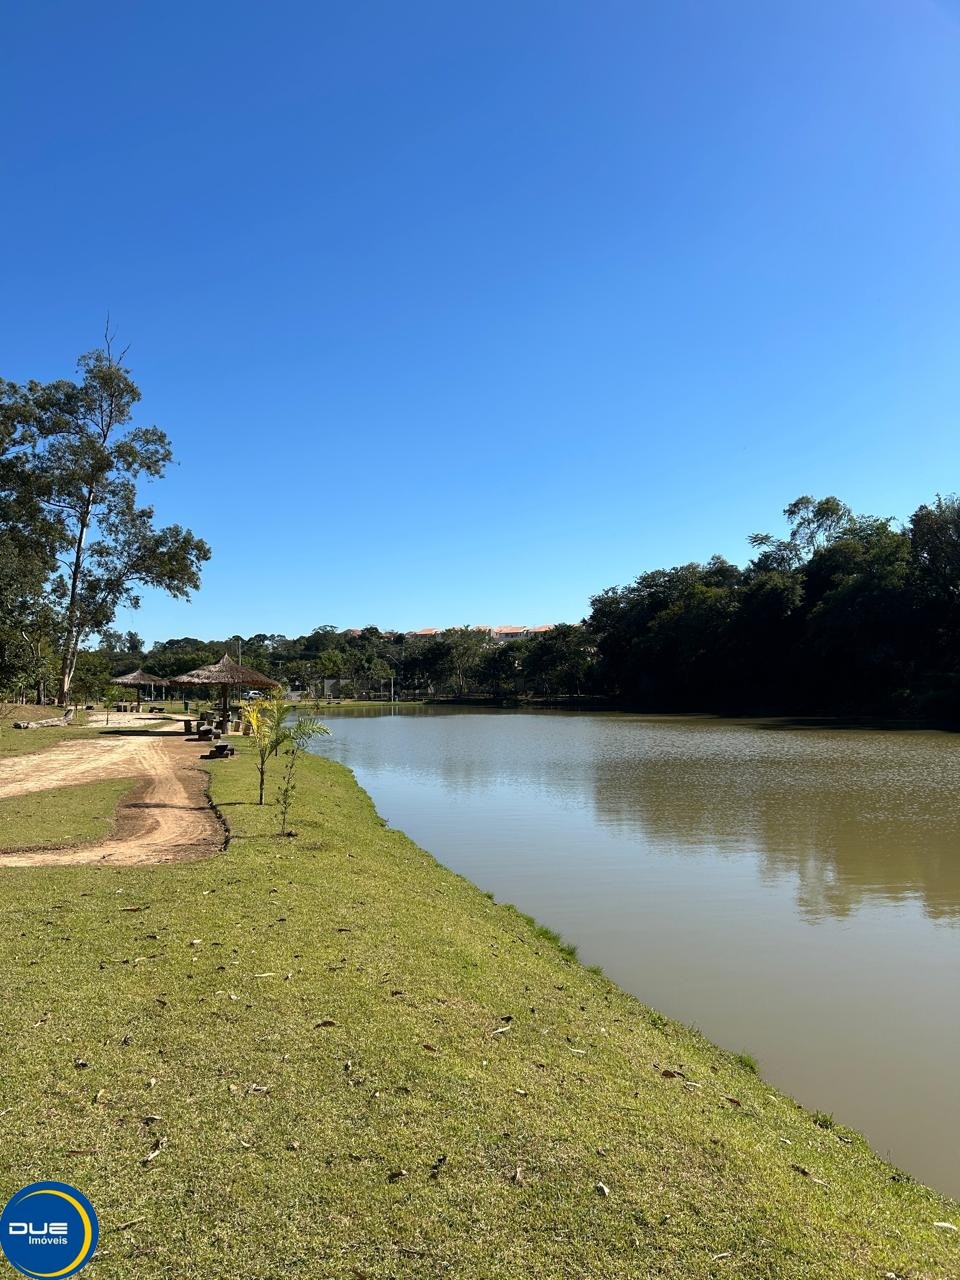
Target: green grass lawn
column 64, row 816
column 24, row 742
column 329, row 1057
column 19, row 742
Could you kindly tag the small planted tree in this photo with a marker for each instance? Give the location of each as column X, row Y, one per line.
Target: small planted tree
column 265, row 718
column 297, row 740
column 113, row 694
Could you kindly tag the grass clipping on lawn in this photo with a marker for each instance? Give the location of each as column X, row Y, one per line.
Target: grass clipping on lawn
column 330, row 1056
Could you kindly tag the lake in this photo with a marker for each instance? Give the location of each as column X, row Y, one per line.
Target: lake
column 794, row 892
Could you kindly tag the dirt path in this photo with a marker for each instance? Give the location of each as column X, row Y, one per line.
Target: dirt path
column 86, row 760
column 167, row 818
column 123, row 719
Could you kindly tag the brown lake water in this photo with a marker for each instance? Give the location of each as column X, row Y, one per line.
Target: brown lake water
column 793, row 892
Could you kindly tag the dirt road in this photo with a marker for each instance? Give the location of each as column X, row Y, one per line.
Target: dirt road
column 167, row 818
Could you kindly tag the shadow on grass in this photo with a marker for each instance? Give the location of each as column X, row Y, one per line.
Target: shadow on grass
column 107, row 731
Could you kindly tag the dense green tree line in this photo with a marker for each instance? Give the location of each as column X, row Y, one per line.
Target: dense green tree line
column 461, row 661
column 843, row 614
column 847, row 614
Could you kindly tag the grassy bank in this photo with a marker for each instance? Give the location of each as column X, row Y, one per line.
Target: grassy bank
column 61, row 817
column 18, row 742
column 24, row 742
column 328, row 1056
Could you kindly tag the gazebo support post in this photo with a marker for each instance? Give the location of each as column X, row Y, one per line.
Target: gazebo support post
column 138, row 679
column 225, row 675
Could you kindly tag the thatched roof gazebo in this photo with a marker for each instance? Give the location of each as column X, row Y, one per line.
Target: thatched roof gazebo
column 141, row 679
column 225, row 675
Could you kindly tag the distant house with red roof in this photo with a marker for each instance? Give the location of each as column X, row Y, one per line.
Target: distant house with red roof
column 499, row 635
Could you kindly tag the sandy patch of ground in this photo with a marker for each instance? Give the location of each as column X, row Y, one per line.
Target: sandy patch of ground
column 85, row 760
column 122, row 719
column 167, row 818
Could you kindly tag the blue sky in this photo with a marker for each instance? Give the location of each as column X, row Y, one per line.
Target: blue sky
column 463, row 312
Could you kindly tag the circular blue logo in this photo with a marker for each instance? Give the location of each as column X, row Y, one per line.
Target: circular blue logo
column 49, row 1229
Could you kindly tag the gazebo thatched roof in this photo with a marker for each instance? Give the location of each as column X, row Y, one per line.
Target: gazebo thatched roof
column 139, row 677
column 226, row 672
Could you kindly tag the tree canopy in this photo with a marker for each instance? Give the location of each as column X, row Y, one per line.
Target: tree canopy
column 847, row 614
column 73, row 533
column 842, row 614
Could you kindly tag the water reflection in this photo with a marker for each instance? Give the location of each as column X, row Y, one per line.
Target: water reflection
column 849, row 817
column 793, row 893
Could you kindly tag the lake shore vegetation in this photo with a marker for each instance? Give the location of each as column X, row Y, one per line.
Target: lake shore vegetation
column 329, row 1052
column 844, row 615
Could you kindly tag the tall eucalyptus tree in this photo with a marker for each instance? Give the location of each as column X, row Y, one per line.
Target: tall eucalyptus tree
column 78, row 459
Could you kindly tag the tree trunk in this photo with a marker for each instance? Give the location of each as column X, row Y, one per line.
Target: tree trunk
column 71, row 641
column 67, row 669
